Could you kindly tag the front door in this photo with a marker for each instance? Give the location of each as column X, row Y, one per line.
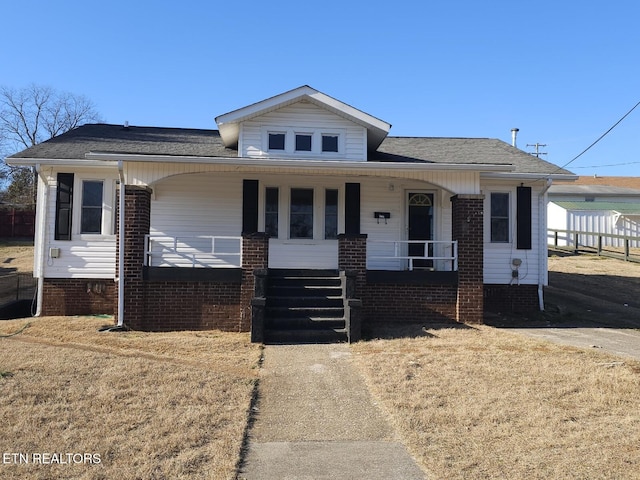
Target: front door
column 420, row 226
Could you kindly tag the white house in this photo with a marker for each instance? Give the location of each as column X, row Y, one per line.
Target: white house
column 299, row 212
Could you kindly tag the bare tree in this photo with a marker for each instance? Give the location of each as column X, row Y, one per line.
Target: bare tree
column 29, row 116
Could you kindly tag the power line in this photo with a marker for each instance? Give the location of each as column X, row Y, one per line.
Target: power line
column 610, row 165
column 599, row 138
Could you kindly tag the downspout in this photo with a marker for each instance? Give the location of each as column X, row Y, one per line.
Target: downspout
column 43, row 240
column 121, row 246
column 542, row 248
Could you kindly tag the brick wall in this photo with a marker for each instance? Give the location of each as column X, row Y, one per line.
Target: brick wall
column 352, row 257
column 402, row 303
column 468, row 229
column 137, row 208
column 511, row 298
column 255, row 256
column 192, row 306
column 75, row 296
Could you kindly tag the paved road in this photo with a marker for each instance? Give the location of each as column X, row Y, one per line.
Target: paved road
column 316, row 420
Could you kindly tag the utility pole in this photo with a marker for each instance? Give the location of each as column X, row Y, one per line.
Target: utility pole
column 537, row 153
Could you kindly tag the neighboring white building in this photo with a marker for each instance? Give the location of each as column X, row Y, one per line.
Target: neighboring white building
column 595, row 209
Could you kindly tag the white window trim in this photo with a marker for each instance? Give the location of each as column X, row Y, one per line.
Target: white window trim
column 512, row 210
column 316, row 141
column 284, row 210
column 108, row 211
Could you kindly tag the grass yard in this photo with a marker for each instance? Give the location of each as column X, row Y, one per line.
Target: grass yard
column 147, row 405
column 483, row 403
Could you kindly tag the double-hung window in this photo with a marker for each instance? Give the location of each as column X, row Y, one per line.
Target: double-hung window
column 271, row 212
column 92, row 199
column 301, row 213
column 331, row 214
column 500, row 217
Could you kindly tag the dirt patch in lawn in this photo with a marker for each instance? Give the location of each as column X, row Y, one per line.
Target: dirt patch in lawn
column 146, row 405
column 594, row 289
column 584, row 290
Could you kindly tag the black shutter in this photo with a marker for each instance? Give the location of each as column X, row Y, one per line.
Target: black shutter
column 249, row 206
column 64, row 206
column 352, row 209
column 523, row 218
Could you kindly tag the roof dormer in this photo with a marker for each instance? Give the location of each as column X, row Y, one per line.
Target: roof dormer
column 302, row 123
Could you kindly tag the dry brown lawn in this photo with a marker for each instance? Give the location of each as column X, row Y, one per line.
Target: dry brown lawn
column 484, row 403
column 147, row 405
column 16, row 256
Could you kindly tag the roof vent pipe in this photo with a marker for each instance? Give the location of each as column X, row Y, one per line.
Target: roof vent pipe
column 514, row 136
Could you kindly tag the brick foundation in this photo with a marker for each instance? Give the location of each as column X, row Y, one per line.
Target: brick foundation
column 75, row 296
column 399, row 303
column 191, row 306
column 511, row 298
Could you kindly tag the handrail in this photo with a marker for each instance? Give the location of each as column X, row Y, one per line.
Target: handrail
column 399, row 251
column 193, row 251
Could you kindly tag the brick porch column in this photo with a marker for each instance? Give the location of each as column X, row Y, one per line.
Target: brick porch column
column 467, row 229
column 352, row 257
column 255, row 256
column 137, row 221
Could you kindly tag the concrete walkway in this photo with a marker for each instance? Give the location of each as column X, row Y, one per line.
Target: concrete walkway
column 316, row 420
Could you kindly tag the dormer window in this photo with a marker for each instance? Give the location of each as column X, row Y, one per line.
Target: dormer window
column 330, row 143
column 276, row 140
column 303, row 142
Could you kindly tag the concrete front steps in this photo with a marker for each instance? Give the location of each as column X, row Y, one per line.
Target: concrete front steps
column 304, row 306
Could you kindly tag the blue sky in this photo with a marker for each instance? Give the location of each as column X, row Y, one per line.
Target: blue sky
column 563, row 72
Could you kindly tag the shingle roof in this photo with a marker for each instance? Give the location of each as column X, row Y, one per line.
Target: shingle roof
column 625, row 182
column 623, row 208
column 76, row 143
column 463, row 151
column 593, row 190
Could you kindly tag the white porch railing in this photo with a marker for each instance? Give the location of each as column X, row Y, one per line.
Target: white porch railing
column 440, row 253
column 193, row 252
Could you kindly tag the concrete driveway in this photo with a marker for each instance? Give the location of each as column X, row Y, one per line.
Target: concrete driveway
column 618, row 341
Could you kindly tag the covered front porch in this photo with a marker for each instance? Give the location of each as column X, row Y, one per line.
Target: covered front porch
column 180, row 273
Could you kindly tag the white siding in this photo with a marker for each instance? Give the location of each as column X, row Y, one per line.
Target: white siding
column 301, row 116
column 84, row 256
column 303, row 254
column 201, row 204
column 390, row 195
column 498, row 257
